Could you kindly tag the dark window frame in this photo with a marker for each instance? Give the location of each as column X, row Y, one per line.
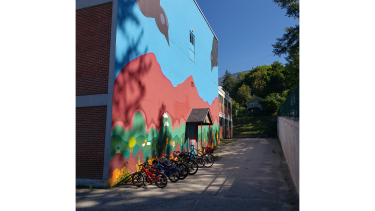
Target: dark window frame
column 192, row 38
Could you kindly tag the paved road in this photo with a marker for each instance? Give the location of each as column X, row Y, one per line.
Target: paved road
column 251, row 174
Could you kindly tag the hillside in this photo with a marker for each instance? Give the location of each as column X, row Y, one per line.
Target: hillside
column 255, row 125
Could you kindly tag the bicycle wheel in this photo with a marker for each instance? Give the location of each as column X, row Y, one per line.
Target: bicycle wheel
column 200, row 162
column 174, row 175
column 138, row 179
column 212, row 157
column 193, row 167
column 208, row 161
column 161, row 180
column 184, row 171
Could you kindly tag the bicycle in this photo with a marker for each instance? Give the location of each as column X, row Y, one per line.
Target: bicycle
column 200, row 161
column 182, row 168
column 159, row 178
column 172, row 173
column 208, row 157
column 182, row 158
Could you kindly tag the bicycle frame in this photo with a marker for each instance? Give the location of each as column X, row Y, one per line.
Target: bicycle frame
column 150, row 175
column 173, row 165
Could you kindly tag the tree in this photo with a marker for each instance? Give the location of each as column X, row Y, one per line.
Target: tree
column 235, row 107
column 229, row 82
column 289, row 43
column 292, row 71
column 272, row 102
column 243, row 94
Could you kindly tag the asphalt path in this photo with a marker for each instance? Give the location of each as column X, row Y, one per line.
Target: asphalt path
column 250, row 174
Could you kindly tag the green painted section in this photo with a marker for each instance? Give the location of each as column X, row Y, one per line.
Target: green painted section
column 154, row 143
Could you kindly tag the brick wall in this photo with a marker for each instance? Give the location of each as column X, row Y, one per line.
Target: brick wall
column 221, row 132
column 90, row 140
column 93, row 39
column 221, row 107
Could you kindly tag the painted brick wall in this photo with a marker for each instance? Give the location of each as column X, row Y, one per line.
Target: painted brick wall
column 93, row 38
column 90, row 140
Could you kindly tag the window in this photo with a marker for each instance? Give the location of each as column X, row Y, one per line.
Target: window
column 220, row 99
column 230, row 125
column 251, row 105
column 192, row 38
column 225, row 102
column 229, row 105
column 221, row 122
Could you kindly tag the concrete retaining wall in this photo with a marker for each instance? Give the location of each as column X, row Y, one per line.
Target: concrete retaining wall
column 288, row 133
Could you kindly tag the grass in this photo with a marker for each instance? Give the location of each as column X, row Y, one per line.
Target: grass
column 254, row 125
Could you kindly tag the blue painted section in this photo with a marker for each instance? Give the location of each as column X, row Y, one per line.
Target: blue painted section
column 138, row 35
column 192, row 56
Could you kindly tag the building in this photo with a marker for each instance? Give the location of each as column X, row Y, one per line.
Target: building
column 142, row 68
column 225, row 114
column 254, row 103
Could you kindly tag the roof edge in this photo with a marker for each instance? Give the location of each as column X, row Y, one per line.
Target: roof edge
column 196, row 3
column 254, row 99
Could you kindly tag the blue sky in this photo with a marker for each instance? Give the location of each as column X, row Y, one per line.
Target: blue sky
column 245, row 29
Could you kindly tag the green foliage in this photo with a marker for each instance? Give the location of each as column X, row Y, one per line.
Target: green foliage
column 272, row 102
column 243, row 94
column 254, row 125
column 289, row 43
column 235, row 106
column 292, row 71
column 242, row 110
column 124, row 178
column 228, row 82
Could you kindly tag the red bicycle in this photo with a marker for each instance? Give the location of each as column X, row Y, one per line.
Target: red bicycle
column 159, row 178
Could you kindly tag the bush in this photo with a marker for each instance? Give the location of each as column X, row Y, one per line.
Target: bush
column 119, row 176
column 243, row 110
column 272, row 103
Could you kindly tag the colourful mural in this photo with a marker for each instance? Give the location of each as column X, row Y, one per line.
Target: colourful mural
column 158, row 86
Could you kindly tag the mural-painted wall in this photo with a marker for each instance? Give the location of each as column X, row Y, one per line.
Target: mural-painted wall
column 156, row 84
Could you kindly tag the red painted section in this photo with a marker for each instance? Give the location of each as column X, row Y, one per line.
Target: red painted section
column 118, row 161
column 142, row 85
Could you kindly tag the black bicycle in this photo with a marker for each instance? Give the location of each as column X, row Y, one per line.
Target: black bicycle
column 194, row 156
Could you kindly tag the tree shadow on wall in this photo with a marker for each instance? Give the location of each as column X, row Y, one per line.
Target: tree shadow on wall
column 125, row 15
column 160, row 146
